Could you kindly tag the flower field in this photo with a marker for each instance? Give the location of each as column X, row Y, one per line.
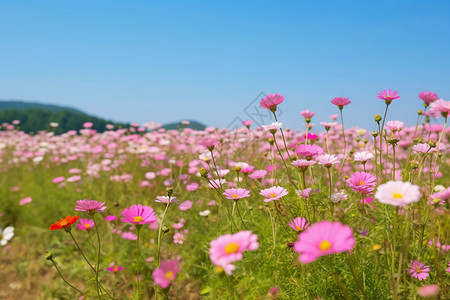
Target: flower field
column 260, row 212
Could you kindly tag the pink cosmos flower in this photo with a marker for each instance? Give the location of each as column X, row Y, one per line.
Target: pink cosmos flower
column 247, row 123
column 258, row 174
column 304, row 193
column 307, row 114
column 178, row 238
column 340, row 102
column 362, row 182
column 129, row 236
column 25, row 200
column 271, row 101
column 88, row 124
column 58, row 179
column 193, row 186
column 85, row 224
column 395, row 125
column 166, row 273
column 328, row 125
column 303, row 164
column 429, row 291
column 209, row 143
column 274, row 193
column 139, row 214
column 334, row 116
column 185, row 205
column 441, row 106
column 428, row 97
column 165, row 199
column 422, row 148
column 398, row 193
column 299, row 224
column 388, row 96
column 229, row 248
column 443, row 195
column 236, row 194
column 308, row 151
column 363, row 156
column 115, row 269
column 419, row 270
column 273, row 127
column 327, row 160
column 110, row 218
column 90, row 206
column 323, row 238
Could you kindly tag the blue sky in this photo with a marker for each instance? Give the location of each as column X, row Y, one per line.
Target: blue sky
column 208, row 60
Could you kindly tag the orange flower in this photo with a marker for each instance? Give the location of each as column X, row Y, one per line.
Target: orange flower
column 64, row 223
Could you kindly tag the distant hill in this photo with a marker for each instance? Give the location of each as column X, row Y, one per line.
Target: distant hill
column 22, row 105
column 36, row 116
column 177, row 125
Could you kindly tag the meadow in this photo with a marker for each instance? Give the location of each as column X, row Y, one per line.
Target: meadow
column 326, row 212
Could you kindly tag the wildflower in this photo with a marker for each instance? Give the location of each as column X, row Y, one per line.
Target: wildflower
column 303, row 164
column 6, row 235
column 362, row 182
column 419, row 270
column 323, row 238
column 395, row 125
column 363, row 156
column 428, row 97
column 308, row 151
column 115, row 269
column 274, row 193
column 129, row 236
column 442, row 195
column 204, row 213
column 307, row 114
column 58, row 179
column 428, row 291
column 185, row 205
column 178, row 238
column 422, row 148
column 85, row 224
column 299, row 224
column 65, row 223
column 397, row 193
column 138, row 214
column 247, row 123
column 327, row 160
column 273, row 127
column 328, row 125
column 304, row 193
column 110, row 218
column 236, row 194
column 271, row 102
column 388, row 96
column 340, row 102
column 339, row 196
column 258, row 174
column 229, row 248
column 90, row 206
column 165, row 199
column 193, row 186
column 25, row 200
column 209, row 143
column 166, row 273
column 441, row 106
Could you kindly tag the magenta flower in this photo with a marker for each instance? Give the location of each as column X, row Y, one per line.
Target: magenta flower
column 185, row 205
column 397, row 193
column 429, row 291
column 388, row 96
column 229, row 248
column 25, row 200
column 304, row 193
column 85, row 224
column 274, row 193
column 90, row 206
column 110, row 218
column 115, row 269
column 258, row 174
column 428, row 97
column 340, row 102
column 58, row 179
column 236, row 194
column 129, row 236
column 418, row 270
column 323, row 238
column 166, row 273
column 299, row 224
column 308, row 151
column 209, row 143
column 362, row 182
column 139, row 214
column 271, row 102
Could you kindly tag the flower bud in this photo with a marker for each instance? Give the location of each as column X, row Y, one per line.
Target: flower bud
column 203, row 172
column 374, row 134
column 271, row 141
column 169, row 191
column 237, row 169
column 432, row 143
column 378, row 118
column 48, row 255
column 420, row 112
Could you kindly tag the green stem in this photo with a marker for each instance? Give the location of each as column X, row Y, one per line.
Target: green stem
column 138, row 227
column 159, row 232
column 99, row 290
column 355, row 276
column 62, row 277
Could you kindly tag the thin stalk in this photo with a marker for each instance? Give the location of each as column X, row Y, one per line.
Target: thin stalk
column 62, row 277
column 138, row 227
column 159, row 232
column 239, row 213
column 355, row 276
column 282, row 135
column 99, row 290
column 285, row 165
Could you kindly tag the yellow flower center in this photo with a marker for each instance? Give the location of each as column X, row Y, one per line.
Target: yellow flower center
column 87, row 225
column 231, row 248
column 169, row 275
column 376, row 247
column 234, row 196
column 64, row 223
column 436, row 200
column 397, row 196
column 219, row 270
column 324, row 245
column 298, row 228
column 418, row 270
column 116, row 269
column 273, row 195
column 138, row 219
column 361, row 182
